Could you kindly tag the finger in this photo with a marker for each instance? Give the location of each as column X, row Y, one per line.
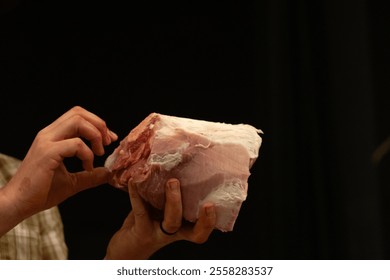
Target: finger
column 74, row 147
column 107, row 135
column 76, row 126
column 139, row 210
column 203, row 227
column 173, row 206
column 89, row 179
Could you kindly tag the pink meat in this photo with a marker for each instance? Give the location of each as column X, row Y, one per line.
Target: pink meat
column 211, row 159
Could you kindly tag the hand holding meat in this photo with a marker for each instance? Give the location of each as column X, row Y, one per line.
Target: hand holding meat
column 42, row 181
column 141, row 235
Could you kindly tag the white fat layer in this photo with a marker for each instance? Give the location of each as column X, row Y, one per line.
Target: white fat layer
column 167, row 161
column 217, row 132
column 229, row 195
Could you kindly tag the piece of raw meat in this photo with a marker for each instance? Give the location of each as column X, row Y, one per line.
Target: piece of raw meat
column 211, row 159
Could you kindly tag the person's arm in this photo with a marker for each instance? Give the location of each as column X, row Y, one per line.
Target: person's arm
column 42, row 180
column 141, row 236
column 9, row 216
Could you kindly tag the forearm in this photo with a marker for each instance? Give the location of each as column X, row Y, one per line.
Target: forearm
column 9, row 216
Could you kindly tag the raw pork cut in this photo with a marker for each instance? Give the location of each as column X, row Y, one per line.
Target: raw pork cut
column 211, row 159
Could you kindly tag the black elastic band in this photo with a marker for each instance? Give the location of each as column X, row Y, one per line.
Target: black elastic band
column 164, row 231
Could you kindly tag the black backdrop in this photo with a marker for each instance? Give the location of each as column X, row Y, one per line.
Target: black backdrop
column 313, row 75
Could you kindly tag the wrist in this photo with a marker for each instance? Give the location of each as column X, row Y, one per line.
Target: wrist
column 121, row 247
column 130, row 253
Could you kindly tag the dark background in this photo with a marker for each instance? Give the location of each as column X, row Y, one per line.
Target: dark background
column 313, row 75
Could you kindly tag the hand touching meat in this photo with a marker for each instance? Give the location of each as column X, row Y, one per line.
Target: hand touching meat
column 42, row 181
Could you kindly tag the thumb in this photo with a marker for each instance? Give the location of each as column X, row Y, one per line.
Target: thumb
column 89, row 179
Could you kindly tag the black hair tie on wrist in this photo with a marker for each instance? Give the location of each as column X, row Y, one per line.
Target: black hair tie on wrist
column 164, row 231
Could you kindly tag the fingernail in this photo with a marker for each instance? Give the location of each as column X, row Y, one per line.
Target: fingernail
column 114, row 136
column 173, row 185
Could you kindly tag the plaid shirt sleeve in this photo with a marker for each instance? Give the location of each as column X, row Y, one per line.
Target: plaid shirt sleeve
column 40, row 236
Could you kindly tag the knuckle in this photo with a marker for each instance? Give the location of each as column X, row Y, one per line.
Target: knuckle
column 76, row 109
